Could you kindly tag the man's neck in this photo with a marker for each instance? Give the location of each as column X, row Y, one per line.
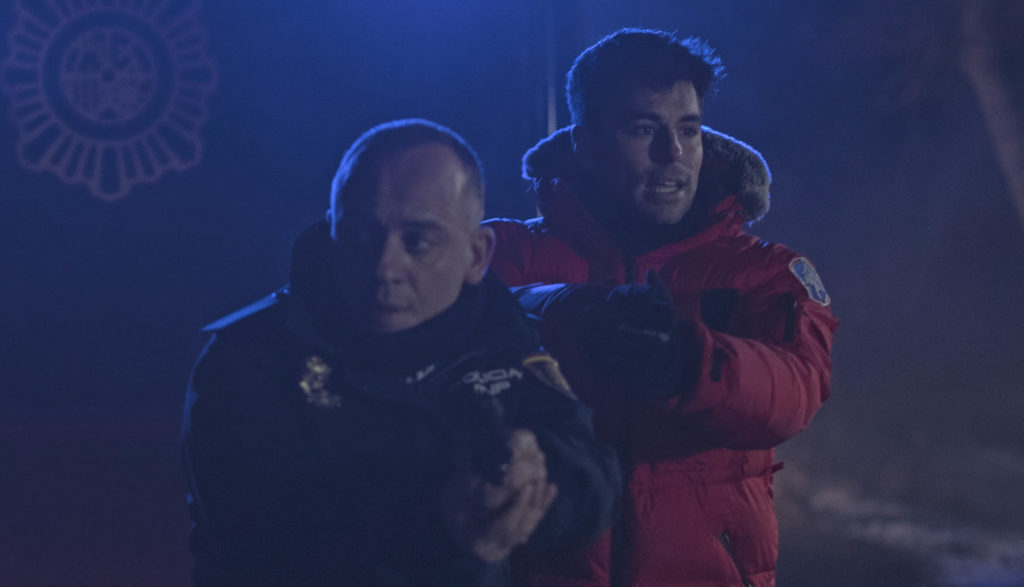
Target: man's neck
column 434, row 341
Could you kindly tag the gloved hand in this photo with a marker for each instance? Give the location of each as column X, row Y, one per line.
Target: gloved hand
column 634, row 338
column 630, row 332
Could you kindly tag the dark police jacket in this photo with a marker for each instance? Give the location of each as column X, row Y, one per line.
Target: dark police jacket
column 314, row 456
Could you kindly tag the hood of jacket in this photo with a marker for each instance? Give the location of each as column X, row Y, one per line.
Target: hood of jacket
column 730, row 168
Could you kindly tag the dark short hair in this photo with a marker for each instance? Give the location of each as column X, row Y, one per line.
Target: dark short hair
column 635, row 57
column 390, row 138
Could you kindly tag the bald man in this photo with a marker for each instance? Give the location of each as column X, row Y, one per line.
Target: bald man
column 388, row 418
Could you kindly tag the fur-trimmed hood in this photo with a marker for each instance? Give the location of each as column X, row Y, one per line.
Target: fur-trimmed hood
column 730, row 167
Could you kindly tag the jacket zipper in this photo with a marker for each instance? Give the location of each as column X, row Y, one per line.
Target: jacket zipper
column 726, row 541
column 619, row 553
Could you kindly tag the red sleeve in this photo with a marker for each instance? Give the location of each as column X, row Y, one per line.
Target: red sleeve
column 511, row 250
column 763, row 375
column 763, row 378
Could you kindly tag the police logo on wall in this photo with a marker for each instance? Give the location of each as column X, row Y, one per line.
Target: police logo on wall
column 108, row 93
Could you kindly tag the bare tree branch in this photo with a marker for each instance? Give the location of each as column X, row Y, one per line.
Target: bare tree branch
column 978, row 59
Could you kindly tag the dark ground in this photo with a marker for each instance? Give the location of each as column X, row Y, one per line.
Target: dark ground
column 95, row 497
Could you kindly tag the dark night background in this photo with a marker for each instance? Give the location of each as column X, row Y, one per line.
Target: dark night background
column 886, row 175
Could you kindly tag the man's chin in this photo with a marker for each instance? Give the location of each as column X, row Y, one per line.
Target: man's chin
column 663, row 209
column 664, row 214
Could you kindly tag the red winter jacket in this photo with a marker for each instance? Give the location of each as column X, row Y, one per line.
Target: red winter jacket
column 699, row 507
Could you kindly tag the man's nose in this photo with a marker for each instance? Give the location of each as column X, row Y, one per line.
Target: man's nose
column 668, row 148
column 389, row 260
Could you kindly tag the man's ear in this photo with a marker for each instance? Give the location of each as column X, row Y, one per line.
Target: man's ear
column 583, row 146
column 482, row 249
column 577, row 134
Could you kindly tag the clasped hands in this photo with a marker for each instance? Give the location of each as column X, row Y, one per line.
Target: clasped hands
column 491, row 520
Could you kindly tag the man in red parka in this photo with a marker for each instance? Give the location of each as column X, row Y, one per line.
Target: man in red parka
column 698, row 346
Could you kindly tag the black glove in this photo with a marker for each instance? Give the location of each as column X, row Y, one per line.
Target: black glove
column 630, row 332
column 634, row 338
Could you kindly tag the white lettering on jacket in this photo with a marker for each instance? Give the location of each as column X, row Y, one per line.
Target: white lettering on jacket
column 492, row 382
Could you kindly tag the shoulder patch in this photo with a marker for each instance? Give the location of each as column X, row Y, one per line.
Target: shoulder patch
column 544, row 367
column 804, row 271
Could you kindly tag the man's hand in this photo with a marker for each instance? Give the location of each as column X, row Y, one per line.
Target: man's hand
column 491, row 520
column 630, row 332
column 634, row 337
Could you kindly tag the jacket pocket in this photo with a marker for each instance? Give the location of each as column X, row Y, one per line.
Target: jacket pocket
column 726, row 541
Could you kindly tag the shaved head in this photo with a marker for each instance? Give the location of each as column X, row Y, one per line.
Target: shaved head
column 405, row 213
column 364, row 158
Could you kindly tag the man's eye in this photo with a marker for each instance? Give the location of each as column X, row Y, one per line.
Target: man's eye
column 415, row 243
column 641, row 130
column 691, row 131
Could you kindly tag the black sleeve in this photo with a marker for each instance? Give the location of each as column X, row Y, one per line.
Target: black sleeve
column 554, row 300
column 252, row 520
column 585, row 470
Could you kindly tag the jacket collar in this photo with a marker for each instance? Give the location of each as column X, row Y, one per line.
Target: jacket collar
column 565, row 213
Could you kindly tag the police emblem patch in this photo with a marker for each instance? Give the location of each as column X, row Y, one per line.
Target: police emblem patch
column 804, row 271
column 108, row 94
column 314, row 384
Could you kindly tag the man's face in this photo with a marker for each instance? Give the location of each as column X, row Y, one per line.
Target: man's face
column 646, row 150
column 410, row 236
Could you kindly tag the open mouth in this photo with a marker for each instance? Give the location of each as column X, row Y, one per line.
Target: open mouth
column 667, row 190
column 387, row 301
column 664, row 187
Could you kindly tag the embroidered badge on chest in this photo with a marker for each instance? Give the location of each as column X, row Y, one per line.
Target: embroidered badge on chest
column 808, row 277
column 314, row 384
column 420, row 375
